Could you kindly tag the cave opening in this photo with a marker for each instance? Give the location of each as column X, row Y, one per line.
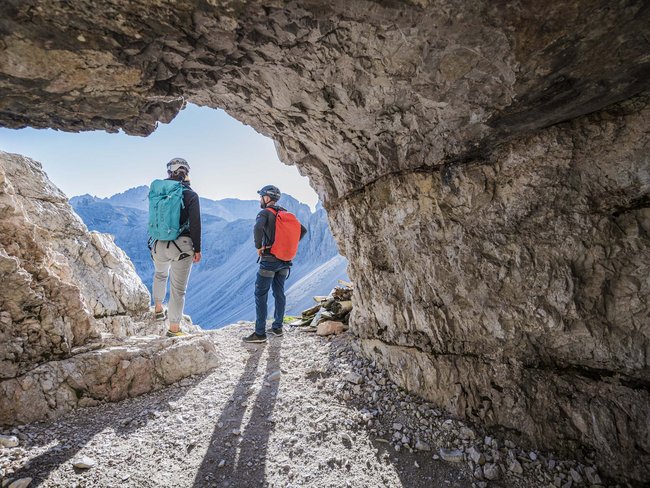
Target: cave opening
column 483, row 165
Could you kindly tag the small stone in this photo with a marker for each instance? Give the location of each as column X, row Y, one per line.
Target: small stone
column 222, row 463
column 592, row 476
column 575, row 475
column 354, row 378
column 236, row 432
column 9, row 441
column 467, row 434
column 533, row 456
column 476, row 455
column 416, row 464
column 422, row 446
column 448, row 425
column 491, row 471
column 515, row 467
column 274, row 376
column 397, row 426
column 478, row 473
column 330, row 327
column 83, row 462
column 451, row 455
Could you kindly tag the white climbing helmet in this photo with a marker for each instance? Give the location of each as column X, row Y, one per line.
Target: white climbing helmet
column 176, row 164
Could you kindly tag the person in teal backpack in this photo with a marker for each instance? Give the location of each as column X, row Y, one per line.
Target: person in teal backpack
column 174, row 239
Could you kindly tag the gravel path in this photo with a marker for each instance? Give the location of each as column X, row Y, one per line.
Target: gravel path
column 299, row 411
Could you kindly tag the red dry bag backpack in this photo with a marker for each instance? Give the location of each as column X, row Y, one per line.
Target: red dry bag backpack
column 287, row 235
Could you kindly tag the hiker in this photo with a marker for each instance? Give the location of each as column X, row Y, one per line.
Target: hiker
column 276, row 235
column 174, row 240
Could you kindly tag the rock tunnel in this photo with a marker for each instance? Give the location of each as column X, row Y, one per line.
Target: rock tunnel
column 484, row 166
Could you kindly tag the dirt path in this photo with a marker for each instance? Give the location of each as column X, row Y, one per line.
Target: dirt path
column 300, row 411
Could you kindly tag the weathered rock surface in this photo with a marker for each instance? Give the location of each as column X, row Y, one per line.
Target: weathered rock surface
column 527, row 297
column 497, row 235
column 62, row 286
column 109, row 373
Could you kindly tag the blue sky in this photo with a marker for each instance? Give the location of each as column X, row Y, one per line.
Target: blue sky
column 228, row 158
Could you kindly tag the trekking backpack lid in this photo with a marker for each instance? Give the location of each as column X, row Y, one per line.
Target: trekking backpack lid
column 287, row 235
column 165, row 204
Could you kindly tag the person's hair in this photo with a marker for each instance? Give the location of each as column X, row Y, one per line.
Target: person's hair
column 178, row 175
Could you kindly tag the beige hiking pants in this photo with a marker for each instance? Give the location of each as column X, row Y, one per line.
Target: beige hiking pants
column 169, row 262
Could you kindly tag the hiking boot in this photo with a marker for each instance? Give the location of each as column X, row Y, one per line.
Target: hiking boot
column 255, row 338
column 175, row 334
column 160, row 315
column 277, row 332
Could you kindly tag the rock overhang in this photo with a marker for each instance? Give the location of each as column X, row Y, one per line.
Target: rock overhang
column 338, row 85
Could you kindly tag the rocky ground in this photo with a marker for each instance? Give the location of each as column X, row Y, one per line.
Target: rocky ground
column 301, row 411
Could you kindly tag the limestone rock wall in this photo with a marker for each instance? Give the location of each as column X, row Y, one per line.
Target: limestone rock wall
column 68, row 301
column 514, row 290
column 58, row 278
column 484, row 165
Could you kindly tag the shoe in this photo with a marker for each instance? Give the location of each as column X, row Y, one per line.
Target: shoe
column 277, row 332
column 175, row 334
column 161, row 315
column 255, row 338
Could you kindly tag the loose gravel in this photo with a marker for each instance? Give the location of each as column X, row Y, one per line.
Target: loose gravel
column 299, row 411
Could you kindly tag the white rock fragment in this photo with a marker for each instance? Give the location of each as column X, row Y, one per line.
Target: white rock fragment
column 83, row 462
column 8, row 441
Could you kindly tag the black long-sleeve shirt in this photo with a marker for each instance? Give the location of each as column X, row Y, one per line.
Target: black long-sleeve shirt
column 264, row 232
column 191, row 211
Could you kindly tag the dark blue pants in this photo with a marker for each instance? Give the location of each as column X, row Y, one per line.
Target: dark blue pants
column 270, row 274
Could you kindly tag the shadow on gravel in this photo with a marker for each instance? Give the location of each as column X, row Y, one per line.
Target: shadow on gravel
column 80, row 426
column 242, row 457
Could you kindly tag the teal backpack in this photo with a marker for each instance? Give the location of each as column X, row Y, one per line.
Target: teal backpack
column 165, row 203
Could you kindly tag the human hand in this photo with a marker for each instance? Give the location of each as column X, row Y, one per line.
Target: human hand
column 260, row 251
column 197, row 257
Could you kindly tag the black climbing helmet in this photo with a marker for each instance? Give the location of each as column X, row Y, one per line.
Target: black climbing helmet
column 270, row 191
column 176, row 164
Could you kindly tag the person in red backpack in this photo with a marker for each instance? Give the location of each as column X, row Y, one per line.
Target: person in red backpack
column 276, row 235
